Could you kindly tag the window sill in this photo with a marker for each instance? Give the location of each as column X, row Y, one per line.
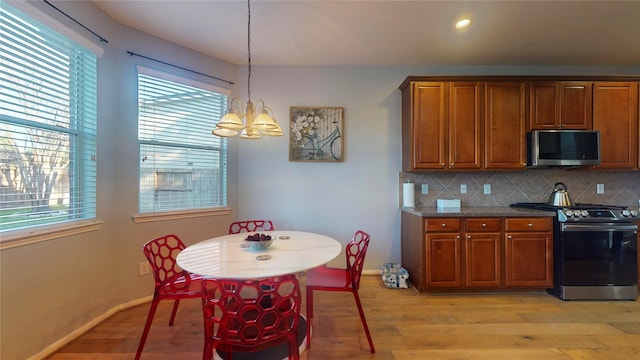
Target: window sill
column 175, row 215
column 36, row 235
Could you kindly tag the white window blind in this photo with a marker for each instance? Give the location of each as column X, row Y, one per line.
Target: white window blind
column 47, row 125
column 182, row 165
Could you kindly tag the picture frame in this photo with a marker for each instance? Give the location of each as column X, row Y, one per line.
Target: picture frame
column 317, row 134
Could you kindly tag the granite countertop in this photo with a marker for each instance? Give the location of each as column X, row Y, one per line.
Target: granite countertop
column 477, row 211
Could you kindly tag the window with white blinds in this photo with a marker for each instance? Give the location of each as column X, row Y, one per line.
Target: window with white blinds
column 47, row 125
column 182, row 165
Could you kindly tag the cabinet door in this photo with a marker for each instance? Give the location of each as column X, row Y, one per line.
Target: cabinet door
column 465, row 126
column 615, row 115
column 529, row 259
column 560, row 105
column 504, row 125
column 576, row 105
column 428, row 119
column 443, row 260
column 482, row 259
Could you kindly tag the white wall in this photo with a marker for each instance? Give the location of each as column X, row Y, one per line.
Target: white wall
column 333, row 198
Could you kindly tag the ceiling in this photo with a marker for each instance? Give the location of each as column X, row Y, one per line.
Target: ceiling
column 395, row 32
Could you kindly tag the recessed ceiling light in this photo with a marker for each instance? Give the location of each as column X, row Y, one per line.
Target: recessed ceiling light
column 462, row 23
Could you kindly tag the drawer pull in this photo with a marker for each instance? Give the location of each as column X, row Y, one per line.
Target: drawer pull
column 484, row 225
column 468, row 236
column 530, row 225
column 509, row 237
column 444, row 225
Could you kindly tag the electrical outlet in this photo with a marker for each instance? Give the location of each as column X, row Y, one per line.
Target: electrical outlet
column 463, row 188
column 143, row 268
column 425, row 188
column 600, row 189
column 487, row 189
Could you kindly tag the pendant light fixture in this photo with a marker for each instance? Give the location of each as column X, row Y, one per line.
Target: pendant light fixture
column 244, row 122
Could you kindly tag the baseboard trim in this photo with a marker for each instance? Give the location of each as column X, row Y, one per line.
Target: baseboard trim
column 51, row 349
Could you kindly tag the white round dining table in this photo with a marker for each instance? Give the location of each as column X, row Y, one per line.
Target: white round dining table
column 228, row 257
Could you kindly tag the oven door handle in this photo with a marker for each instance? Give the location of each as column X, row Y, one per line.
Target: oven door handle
column 599, row 227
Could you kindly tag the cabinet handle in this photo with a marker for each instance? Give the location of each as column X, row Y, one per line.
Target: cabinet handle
column 530, row 225
column 458, row 237
column 468, row 236
column 443, row 225
column 509, row 237
column 453, row 164
column 484, row 225
column 443, row 165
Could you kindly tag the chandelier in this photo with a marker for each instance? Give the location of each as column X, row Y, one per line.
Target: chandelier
column 253, row 127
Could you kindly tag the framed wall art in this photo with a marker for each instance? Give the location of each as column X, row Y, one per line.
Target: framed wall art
column 316, row 134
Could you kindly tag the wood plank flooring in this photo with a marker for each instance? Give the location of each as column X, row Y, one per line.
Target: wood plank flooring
column 404, row 325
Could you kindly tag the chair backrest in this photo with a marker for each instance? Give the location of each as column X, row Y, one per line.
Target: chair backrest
column 247, row 313
column 162, row 253
column 356, row 250
column 250, row 226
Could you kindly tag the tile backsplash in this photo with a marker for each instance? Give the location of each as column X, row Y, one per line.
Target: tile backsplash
column 533, row 185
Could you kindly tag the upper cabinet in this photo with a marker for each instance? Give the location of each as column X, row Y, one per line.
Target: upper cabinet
column 480, row 122
column 615, row 115
column 441, row 126
column 504, row 121
column 560, row 105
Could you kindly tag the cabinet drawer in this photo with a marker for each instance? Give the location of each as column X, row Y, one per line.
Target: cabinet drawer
column 528, row 224
column 482, row 225
column 442, row 225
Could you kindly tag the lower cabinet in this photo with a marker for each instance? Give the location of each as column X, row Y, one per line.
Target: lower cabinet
column 483, row 252
column 454, row 253
column 528, row 252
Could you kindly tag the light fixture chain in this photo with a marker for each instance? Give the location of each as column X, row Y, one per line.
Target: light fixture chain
column 249, row 48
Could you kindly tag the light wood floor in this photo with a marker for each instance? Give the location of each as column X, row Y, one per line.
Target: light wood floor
column 404, row 325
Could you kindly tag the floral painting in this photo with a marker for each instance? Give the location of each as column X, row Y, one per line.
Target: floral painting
column 316, row 134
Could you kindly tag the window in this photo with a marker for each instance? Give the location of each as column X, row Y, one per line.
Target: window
column 47, row 125
column 182, row 165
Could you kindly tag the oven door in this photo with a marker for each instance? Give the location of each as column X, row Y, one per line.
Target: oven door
column 598, row 254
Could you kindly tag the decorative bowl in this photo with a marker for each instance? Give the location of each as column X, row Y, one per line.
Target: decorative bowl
column 258, row 241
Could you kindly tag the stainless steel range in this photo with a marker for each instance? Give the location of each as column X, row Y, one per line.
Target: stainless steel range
column 595, row 251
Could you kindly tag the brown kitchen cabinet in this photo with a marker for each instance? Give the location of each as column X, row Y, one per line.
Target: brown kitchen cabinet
column 560, row 105
column 615, row 115
column 442, row 238
column 528, row 252
column 477, row 253
column 504, row 125
column 441, row 121
column 483, row 255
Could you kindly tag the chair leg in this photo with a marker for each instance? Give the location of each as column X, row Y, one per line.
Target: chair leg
column 175, row 310
column 294, row 351
column 309, row 315
column 364, row 321
column 147, row 326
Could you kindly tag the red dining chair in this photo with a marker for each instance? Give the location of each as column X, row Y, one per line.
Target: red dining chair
column 324, row 278
column 250, row 226
column 171, row 282
column 250, row 315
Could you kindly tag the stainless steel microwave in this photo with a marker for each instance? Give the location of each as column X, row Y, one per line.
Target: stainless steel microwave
column 563, row 148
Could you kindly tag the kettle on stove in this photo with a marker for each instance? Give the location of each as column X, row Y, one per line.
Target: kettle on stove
column 560, row 196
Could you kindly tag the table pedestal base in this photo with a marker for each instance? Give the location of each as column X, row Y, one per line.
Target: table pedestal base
column 278, row 352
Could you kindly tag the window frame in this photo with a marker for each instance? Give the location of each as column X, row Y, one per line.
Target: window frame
column 189, row 212
column 81, row 128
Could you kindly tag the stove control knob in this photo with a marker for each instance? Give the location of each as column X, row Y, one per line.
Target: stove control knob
column 584, row 213
column 569, row 213
column 626, row 213
column 634, row 213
